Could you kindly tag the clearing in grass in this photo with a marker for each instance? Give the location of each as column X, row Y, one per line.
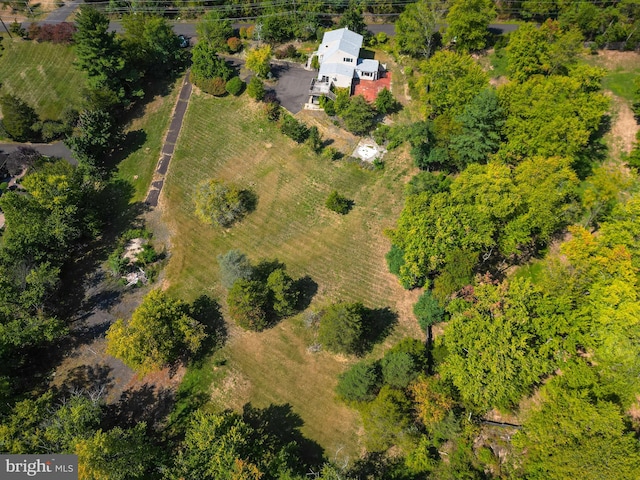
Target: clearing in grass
column 342, row 256
column 41, row 74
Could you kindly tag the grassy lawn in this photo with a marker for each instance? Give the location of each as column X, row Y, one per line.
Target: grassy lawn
column 622, row 68
column 147, row 132
column 41, row 74
column 620, row 82
column 344, row 255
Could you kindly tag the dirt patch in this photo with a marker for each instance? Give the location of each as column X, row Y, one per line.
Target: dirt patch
column 133, row 248
column 340, row 139
column 498, row 81
column 624, row 128
column 612, row 59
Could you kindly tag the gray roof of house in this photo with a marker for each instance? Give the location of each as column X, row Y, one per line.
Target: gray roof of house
column 342, row 39
column 336, row 68
column 367, row 65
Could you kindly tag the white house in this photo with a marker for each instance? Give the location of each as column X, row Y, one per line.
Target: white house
column 338, row 56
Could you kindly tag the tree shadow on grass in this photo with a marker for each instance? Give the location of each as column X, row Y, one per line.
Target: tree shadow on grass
column 307, row 287
column 207, row 311
column 132, row 142
column 89, row 378
column 249, row 200
column 148, row 404
column 280, row 425
column 377, row 324
column 266, row 267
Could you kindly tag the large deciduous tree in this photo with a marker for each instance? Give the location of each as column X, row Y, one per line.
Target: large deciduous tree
column 546, row 50
column 488, row 207
column 550, row 116
column 417, row 27
column 160, row 331
column 450, row 81
column 468, row 24
column 496, row 352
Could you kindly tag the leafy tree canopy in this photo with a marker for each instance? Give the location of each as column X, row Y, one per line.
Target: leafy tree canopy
column 161, row 330
column 467, row 24
column 450, row 81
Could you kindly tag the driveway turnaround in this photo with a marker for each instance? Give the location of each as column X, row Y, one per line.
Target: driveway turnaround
column 292, row 87
column 170, row 142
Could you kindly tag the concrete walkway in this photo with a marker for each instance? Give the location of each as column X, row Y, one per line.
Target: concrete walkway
column 170, row 142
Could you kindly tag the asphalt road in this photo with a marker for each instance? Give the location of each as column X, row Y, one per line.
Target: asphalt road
column 57, row 149
column 189, row 29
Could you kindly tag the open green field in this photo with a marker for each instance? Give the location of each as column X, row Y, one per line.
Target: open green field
column 344, row 255
column 150, row 127
column 41, row 74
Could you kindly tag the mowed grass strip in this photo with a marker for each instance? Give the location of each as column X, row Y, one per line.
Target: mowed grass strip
column 229, row 139
column 41, row 74
column 151, row 127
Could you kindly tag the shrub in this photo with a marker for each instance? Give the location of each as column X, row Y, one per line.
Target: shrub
column 381, row 38
column 213, row 86
column 16, row 29
column 147, row 255
column 395, row 261
column 52, row 130
column 255, row 88
column 315, row 63
column 248, row 302
column 234, row 44
column 314, row 140
column 337, row 203
column 243, row 32
column 33, row 32
column 258, row 60
column 294, row 129
column 3, row 186
column 235, row 86
column 54, row 33
column 381, row 134
column 288, row 51
column 234, row 265
column 18, row 118
column 428, row 310
column 359, row 383
column 331, row 153
column 219, row 203
column 328, row 105
column 340, row 328
column 250, row 32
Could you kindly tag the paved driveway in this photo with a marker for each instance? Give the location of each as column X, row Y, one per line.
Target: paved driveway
column 292, row 87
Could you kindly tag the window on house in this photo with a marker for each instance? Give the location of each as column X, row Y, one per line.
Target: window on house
column 367, row 74
column 348, row 60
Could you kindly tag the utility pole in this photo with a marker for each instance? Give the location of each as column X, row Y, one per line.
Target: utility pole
column 5, row 27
